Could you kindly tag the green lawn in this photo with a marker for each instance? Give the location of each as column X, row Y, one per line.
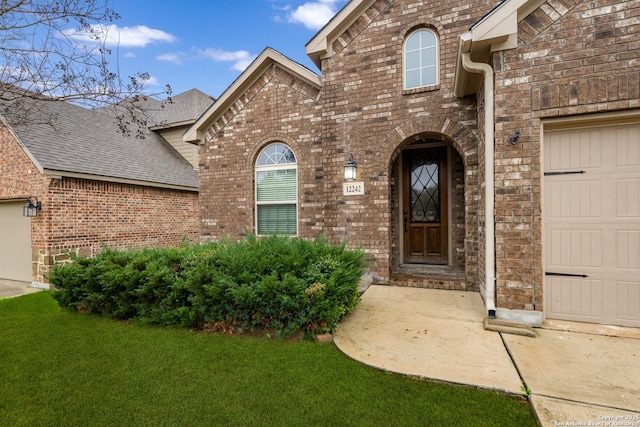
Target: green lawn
column 59, row 368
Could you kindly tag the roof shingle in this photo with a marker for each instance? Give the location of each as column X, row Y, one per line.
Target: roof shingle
column 86, row 141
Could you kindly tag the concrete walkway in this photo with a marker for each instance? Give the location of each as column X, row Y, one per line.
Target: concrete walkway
column 573, row 377
column 10, row 288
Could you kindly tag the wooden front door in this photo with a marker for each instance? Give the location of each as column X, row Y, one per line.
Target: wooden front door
column 425, row 205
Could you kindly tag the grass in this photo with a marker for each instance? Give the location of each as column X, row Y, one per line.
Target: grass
column 61, row 368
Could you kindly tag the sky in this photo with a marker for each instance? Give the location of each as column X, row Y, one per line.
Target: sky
column 207, row 44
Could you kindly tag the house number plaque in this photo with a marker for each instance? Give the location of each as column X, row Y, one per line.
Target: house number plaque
column 353, row 189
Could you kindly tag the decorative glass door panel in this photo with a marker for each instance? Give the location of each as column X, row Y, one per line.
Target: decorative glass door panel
column 424, row 207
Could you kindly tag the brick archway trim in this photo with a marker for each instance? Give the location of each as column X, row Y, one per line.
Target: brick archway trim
column 463, row 139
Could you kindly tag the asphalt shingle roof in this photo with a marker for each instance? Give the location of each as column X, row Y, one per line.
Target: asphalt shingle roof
column 89, row 141
column 186, row 106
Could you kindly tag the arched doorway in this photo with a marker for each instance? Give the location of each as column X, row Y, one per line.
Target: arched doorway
column 425, row 200
column 431, row 215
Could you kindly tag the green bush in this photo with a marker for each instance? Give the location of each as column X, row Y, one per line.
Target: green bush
column 276, row 283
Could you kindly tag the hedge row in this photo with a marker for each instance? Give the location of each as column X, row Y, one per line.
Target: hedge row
column 277, row 283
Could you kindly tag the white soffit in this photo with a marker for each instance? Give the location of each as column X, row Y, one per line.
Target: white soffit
column 502, row 22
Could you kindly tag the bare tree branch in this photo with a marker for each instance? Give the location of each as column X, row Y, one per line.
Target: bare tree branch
column 56, row 51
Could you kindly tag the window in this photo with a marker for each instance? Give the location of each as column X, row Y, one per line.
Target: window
column 421, row 59
column 276, row 191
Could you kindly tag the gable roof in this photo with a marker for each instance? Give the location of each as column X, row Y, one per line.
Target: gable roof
column 497, row 30
column 76, row 141
column 267, row 58
column 320, row 46
column 184, row 109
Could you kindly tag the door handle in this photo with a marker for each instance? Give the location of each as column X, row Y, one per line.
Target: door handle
column 549, row 273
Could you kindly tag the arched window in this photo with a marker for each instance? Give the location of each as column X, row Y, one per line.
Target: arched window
column 421, row 59
column 276, row 191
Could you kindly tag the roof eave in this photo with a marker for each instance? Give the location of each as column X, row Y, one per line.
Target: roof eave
column 92, row 177
column 165, row 126
column 268, row 57
column 496, row 31
column 319, row 46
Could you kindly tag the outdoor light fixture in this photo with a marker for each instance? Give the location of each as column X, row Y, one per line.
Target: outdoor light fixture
column 350, row 169
column 32, row 207
column 515, row 137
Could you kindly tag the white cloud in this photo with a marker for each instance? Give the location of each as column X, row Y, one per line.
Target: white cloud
column 175, row 57
column 129, row 55
column 240, row 58
column 112, row 35
column 314, row 14
column 153, row 81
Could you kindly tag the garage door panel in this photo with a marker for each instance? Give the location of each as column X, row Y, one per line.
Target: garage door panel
column 578, row 298
column 577, row 150
column 629, row 300
column 575, row 199
column 574, row 248
column 628, row 146
column 628, row 198
column 629, row 250
column 591, row 221
column 15, row 243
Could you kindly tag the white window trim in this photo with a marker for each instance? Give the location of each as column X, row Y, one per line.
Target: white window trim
column 404, row 60
column 267, row 168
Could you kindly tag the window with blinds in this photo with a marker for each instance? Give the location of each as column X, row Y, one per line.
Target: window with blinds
column 276, row 191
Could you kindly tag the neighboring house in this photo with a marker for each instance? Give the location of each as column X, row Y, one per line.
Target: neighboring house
column 497, row 148
column 97, row 187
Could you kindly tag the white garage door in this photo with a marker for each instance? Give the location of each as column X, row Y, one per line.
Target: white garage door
column 15, row 242
column 591, row 217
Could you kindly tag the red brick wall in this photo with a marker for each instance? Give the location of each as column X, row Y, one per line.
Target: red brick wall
column 574, row 57
column 81, row 216
column 361, row 109
column 83, row 213
column 19, row 177
column 366, row 112
column 278, row 107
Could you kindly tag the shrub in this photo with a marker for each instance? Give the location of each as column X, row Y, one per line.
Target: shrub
column 276, row 283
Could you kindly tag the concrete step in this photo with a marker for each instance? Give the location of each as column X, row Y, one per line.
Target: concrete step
column 509, row 327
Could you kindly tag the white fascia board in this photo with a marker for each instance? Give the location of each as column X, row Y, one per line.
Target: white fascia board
column 164, row 126
column 498, row 30
column 268, row 57
column 502, row 22
column 319, row 46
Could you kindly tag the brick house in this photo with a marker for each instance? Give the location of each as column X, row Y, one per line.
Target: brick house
column 97, row 187
column 497, row 148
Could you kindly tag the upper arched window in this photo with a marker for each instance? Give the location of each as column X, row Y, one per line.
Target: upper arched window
column 421, row 59
column 276, row 191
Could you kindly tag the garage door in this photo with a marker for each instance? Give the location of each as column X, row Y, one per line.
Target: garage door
column 15, row 242
column 591, row 223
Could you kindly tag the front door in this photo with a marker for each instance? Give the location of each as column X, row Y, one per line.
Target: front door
column 425, row 205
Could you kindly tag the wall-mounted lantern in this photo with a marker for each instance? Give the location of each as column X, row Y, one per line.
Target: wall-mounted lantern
column 32, row 207
column 515, row 137
column 350, row 169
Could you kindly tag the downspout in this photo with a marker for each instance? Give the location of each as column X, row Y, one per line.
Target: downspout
column 489, row 199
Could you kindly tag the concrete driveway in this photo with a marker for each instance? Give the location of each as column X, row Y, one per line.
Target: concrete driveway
column 575, row 378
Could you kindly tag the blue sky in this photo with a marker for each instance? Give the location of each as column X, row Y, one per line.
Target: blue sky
column 207, row 44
